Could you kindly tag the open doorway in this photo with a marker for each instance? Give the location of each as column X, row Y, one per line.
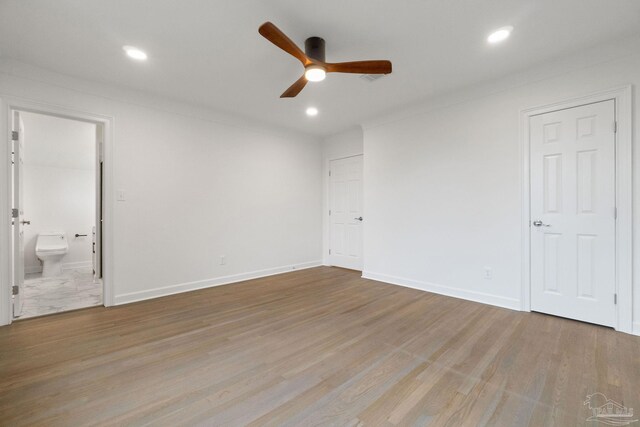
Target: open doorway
column 56, row 205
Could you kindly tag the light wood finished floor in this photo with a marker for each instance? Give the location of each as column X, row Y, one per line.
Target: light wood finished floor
column 313, row 347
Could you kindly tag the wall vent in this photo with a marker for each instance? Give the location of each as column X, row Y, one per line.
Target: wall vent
column 371, row 77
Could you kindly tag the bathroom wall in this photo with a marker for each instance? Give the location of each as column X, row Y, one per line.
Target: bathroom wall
column 59, row 185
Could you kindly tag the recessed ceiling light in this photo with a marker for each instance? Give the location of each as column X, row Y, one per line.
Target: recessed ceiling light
column 312, row 111
column 500, row 34
column 135, row 53
column 315, row 73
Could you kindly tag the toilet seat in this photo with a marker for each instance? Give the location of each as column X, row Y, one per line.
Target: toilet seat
column 52, row 251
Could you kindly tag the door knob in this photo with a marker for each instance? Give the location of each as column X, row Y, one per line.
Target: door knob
column 25, row 222
column 539, row 223
column 358, row 219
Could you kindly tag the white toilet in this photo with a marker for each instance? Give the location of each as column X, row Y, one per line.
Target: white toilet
column 51, row 247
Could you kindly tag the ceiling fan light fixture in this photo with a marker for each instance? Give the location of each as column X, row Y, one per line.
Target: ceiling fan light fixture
column 315, row 73
column 313, row 60
column 500, row 34
column 135, row 53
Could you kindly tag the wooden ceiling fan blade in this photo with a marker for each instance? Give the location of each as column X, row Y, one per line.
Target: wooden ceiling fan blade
column 280, row 39
column 295, row 88
column 360, row 67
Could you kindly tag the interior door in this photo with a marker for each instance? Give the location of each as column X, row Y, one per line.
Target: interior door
column 573, row 213
column 18, row 214
column 346, row 213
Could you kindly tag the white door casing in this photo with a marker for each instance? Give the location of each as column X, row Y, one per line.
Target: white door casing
column 18, row 218
column 9, row 105
column 345, row 213
column 572, row 212
column 97, row 238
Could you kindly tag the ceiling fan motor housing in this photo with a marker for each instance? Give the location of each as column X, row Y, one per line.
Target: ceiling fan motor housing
column 314, row 48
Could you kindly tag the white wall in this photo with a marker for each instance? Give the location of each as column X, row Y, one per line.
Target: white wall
column 59, row 185
column 345, row 144
column 198, row 185
column 442, row 180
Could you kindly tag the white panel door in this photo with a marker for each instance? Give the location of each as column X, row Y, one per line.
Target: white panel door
column 18, row 220
column 346, row 213
column 573, row 213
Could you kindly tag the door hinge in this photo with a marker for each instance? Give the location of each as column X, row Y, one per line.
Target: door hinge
column 100, row 151
column 615, row 127
column 15, row 290
column 615, row 213
column 329, row 173
column 615, row 298
column 15, row 135
column 14, row 213
column 329, row 251
column 329, row 212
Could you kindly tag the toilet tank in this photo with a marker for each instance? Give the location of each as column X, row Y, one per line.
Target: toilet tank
column 51, row 240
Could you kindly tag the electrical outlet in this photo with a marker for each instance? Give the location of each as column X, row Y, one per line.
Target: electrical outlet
column 223, row 260
column 488, row 273
column 121, row 196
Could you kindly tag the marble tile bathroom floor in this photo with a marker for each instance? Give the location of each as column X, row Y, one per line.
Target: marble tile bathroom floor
column 73, row 290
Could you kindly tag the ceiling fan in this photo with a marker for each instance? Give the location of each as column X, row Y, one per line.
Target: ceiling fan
column 313, row 59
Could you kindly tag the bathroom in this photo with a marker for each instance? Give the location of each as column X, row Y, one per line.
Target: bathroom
column 55, row 187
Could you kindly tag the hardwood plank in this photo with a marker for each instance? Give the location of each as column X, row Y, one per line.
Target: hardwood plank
column 314, row 347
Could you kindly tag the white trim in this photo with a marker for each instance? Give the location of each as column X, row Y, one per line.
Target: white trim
column 5, row 221
column 77, row 264
column 209, row 283
column 33, row 269
column 481, row 297
column 624, row 197
column 65, row 266
column 10, row 103
column 636, row 328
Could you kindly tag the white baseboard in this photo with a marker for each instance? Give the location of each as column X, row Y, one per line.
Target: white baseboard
column 636, row 328
column 499, row 301
column 65, row 266
column 208, row 283
column 33, row 269
column 78, row 264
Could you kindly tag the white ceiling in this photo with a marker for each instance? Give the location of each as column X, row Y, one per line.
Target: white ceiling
column 209, row 53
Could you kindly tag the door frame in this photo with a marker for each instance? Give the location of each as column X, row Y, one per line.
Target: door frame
column 624, row 197
column 328, row 197
column 104, row 142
